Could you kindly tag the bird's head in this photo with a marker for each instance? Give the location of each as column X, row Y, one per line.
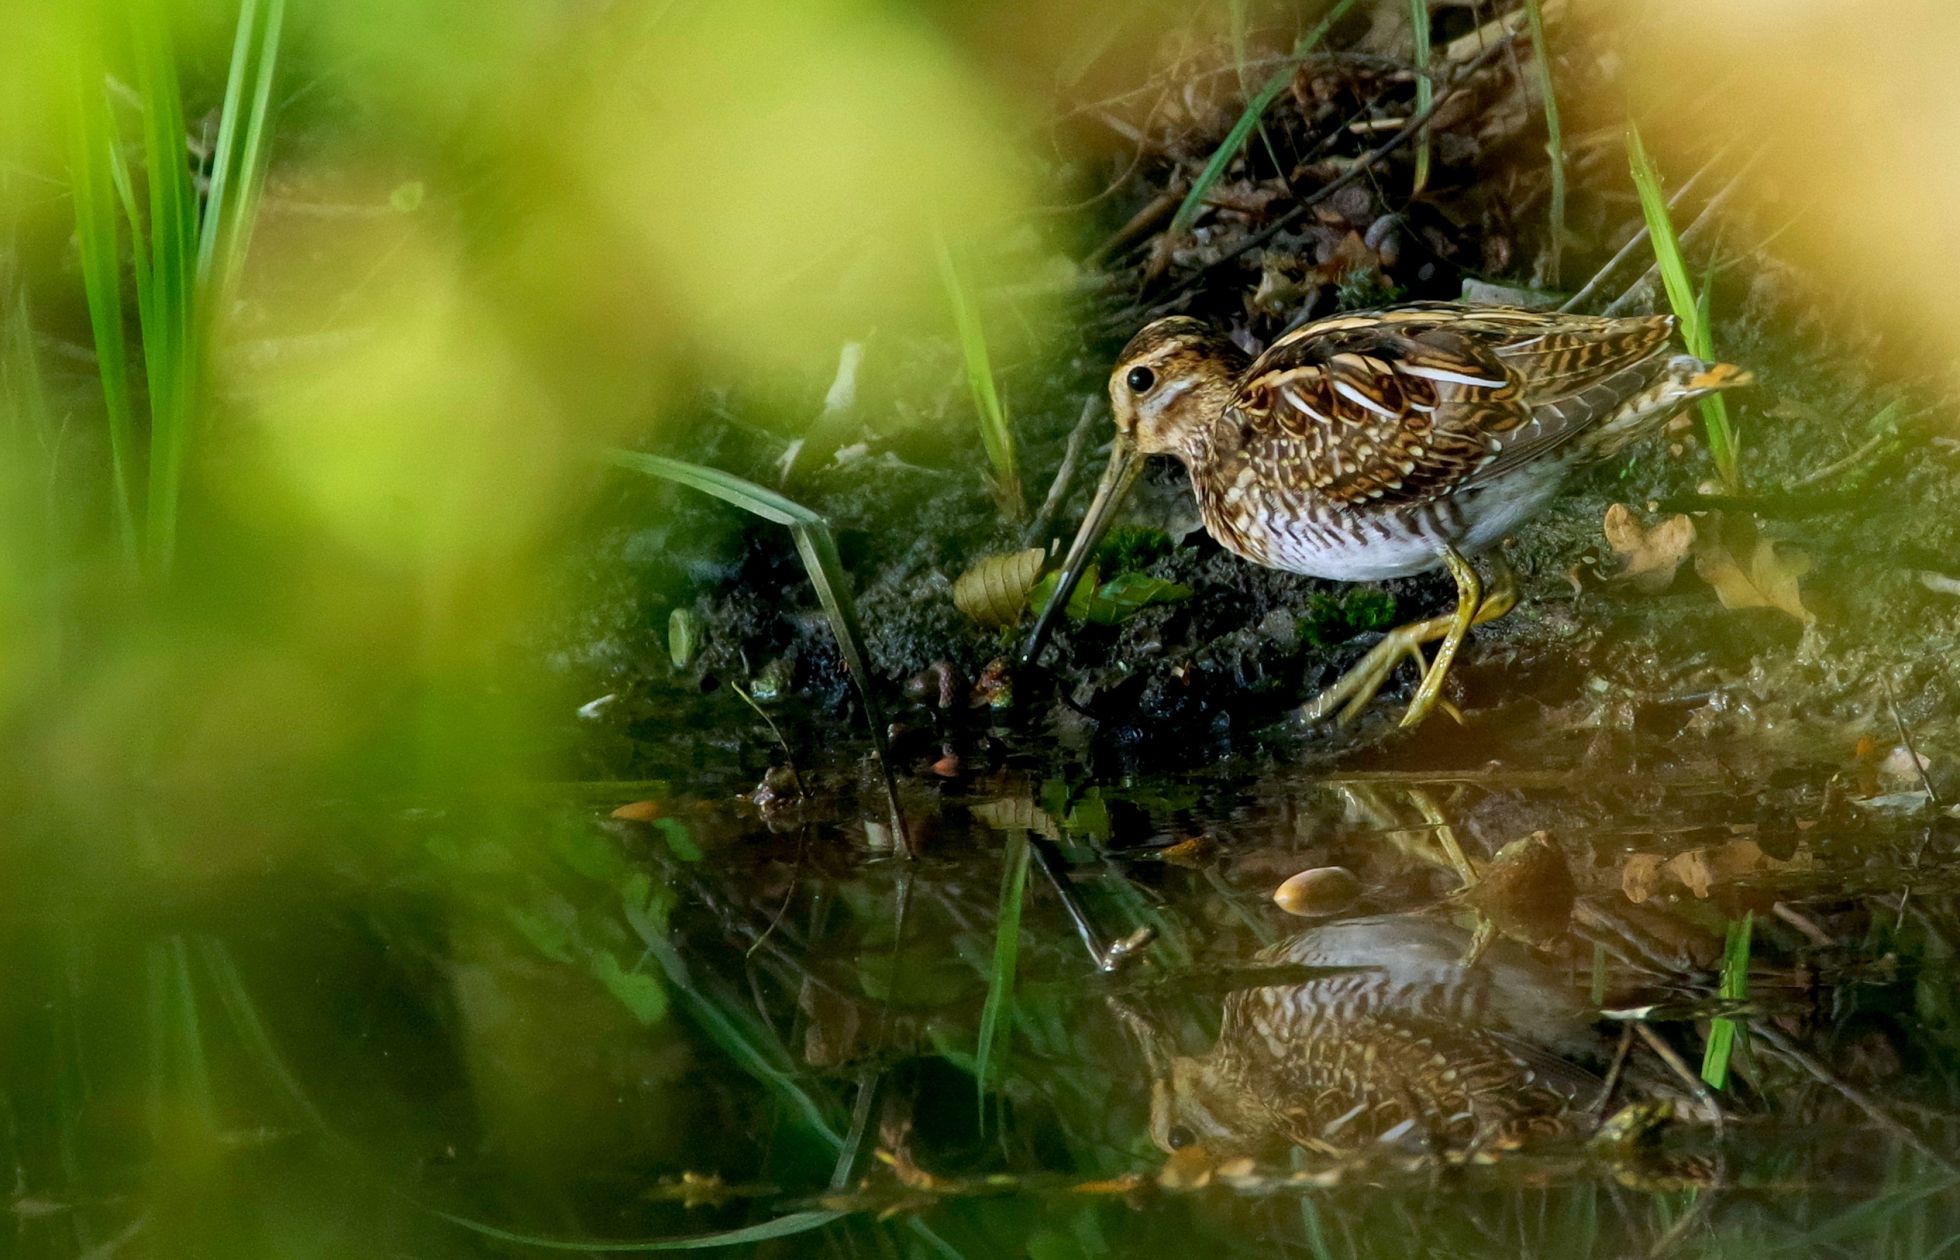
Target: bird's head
column 1170, row 384
column 1169, row 387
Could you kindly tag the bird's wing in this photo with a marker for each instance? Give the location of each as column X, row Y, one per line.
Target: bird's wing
column 1404, row 405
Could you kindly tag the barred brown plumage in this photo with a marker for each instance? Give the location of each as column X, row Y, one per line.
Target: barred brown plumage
column 1382, row 443
column 1396, row 1039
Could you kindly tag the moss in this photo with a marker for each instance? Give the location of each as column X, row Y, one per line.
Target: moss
column 1331, row 618
column 1128, row 548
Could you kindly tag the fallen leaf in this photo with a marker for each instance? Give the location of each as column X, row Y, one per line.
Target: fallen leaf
column 1750, row 571
column 1017, row 813
column 995, row 591
column 1648, row 557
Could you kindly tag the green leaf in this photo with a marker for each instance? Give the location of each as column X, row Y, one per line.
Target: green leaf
column 1723, row 1032
column 547, row 928
column 1690, row 308
column 1079, row 599
column 1127, row 594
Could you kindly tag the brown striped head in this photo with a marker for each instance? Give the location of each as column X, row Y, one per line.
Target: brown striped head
column 1171, row 383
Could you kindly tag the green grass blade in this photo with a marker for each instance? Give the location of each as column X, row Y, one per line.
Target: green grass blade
column 746, row 495
column 1689, row 307
column 995, row 433
column 1425, row 87
column 224, row 153
column 1554, row 135
column 238, row 160
column 1255, row 109
column 168, row 352
column 1723, row 1032
column 825, row 568
column 997, row 1017
column 171, row 243
column 94, row 186
column 1660, row 229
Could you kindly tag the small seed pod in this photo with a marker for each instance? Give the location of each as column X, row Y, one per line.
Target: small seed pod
column 1319, row 891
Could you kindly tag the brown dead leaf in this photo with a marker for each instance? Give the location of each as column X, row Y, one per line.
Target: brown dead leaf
column 995, row 591
column 1750, row 571
column 1641, row 876
column 1648, row 557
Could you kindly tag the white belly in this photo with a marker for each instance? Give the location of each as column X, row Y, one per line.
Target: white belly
column 1376, row 545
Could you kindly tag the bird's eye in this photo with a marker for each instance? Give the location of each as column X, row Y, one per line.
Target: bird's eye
column 1179, row 1137
column 1140, row 380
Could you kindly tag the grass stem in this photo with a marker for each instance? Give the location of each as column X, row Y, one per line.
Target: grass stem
column 1690, row 307
column 1554, row 139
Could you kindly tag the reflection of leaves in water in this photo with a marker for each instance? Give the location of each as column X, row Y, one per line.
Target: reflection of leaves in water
column 637, row 991
column 1700, row 870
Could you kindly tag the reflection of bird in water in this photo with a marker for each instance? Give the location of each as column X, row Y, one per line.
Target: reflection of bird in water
column 1409, row 1045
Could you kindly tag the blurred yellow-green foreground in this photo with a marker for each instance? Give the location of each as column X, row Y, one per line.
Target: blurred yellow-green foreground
column 312, row 315
column 312, row 318
column 481, row 240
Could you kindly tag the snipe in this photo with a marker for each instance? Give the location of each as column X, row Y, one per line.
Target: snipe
column 1385, row 443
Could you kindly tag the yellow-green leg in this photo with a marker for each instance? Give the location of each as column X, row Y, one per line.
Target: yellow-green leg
column 1469, row 598
column 1354, row 689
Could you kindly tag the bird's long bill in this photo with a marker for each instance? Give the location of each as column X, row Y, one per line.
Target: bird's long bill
column 1124, row 464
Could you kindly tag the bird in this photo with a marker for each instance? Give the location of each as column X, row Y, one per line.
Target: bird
column 1391, row 1039
column 1384, row 443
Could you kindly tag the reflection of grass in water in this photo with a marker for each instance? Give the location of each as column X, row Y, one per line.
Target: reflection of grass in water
column 997, row 1017
column 1723, row 1032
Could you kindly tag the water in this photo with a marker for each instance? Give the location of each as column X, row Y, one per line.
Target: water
column 492, row 1025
